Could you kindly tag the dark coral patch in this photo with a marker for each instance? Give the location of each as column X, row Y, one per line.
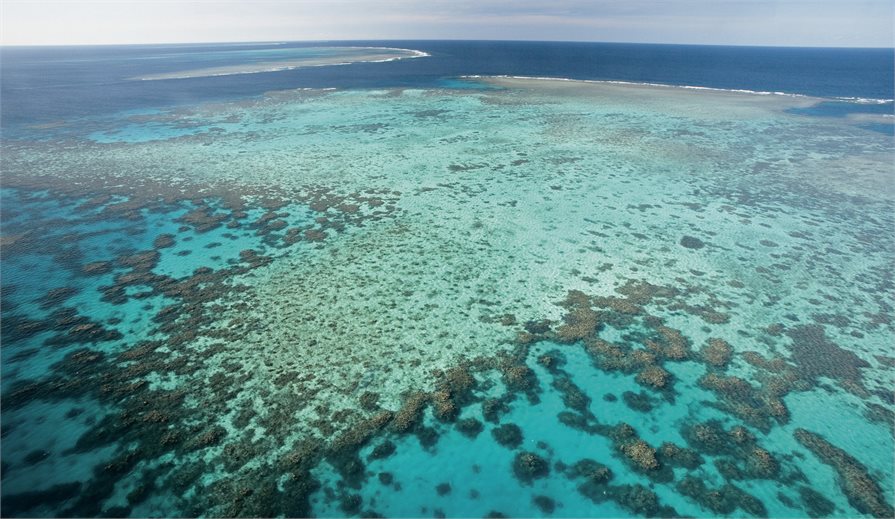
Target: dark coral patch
column 528, row 466
column 57, row 296
column 163, row 241
column 411, row 413
column 723, row 500
column 641, row 501
column 677, row 456
column 653, row 377
column 717, row 353
column 545, row 504
column 469, row 427
column 519, row 377
column 691, row 242
column 508, row 435
column 640, row 402
column 97, row 268
column 591, row 471
column 18, row 504
column 757, row 405
column 493, row 408
column 580, row 320
column 817, row 356
column 815, row 503
column 383, row 450
column 637, row 453
column 856, row 482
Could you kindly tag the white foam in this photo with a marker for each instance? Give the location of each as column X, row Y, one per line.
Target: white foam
column 865, row 100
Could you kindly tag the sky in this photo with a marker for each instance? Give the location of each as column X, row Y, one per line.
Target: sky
column 834, row 23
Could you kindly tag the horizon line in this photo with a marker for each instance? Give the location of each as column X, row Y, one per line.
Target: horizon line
column 283, row 42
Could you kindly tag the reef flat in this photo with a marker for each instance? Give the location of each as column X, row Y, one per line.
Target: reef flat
column 275, row 60
column 526, row 298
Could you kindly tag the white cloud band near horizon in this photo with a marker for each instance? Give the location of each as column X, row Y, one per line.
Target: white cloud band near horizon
column 832, row 23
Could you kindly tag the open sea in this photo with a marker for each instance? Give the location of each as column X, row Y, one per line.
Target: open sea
column 447, row 279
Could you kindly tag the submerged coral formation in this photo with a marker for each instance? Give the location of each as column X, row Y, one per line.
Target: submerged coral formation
column 862, row 491
column 587, row 313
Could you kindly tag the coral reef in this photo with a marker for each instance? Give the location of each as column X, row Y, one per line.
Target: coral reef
column 16, row 504
column 492, row 408
column 519, row 377
column 757, row 406
column 470, row 427
column 636, row 452
column 187, row 344
column 816, row 356
column 716, row 353
column 862, row 491
column 653, row 377
column 591, row 471
column 508, row 435
column 163, row 241
column 691, row 242
column 815, row 503
column 580, row 320
column 383, row 450
column 545, row 504
column 410, row 413
column 641, row 454
column 723, row 500
column 641, row 501
column 760, row 464
column 671, row 454
column 57, row 296
column 528, row 466
column 572, row 396
column 640, row 402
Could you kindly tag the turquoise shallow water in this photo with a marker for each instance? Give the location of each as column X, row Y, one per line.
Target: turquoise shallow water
column 539, row 298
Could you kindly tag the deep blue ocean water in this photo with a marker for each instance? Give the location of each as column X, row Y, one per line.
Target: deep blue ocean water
column 42, row 84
